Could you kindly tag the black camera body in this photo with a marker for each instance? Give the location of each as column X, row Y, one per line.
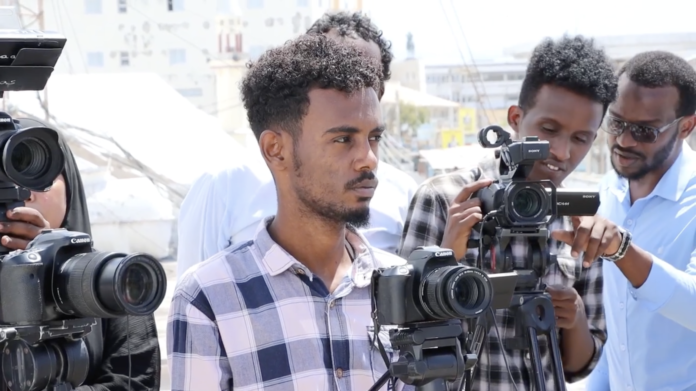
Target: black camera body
column 59, row 276
column 521, row 204
column 432, row 286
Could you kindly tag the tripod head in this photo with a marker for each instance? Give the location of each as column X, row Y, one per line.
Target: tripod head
column 430, row 357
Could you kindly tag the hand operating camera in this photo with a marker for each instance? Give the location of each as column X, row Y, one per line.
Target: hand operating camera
column 52, row 293
column 519, row 203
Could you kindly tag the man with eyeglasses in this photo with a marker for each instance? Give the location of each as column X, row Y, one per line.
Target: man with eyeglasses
column 647, row 237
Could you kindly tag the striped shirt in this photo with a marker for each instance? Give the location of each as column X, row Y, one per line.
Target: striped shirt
column 254, row 318
column 425, row 225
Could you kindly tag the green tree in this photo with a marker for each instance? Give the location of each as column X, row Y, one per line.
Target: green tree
column 413, row 117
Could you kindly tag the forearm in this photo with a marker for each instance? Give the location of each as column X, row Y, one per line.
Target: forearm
column 577, row 347
column 636, row 265
column 660, row 287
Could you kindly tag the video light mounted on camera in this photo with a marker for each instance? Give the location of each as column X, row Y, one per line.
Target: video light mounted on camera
column 52, row 293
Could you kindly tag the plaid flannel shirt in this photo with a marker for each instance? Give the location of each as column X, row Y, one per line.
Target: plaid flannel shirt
column 254, row 318
column 425, row 225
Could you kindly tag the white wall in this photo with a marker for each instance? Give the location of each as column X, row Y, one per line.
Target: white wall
column 147, row 37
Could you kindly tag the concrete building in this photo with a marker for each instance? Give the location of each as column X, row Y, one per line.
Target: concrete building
column 174, row 38
column 270, row 23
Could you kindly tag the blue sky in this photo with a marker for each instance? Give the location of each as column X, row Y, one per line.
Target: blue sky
column 491, row 25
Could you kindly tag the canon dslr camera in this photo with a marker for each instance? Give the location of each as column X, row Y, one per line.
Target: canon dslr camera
column 431, row 286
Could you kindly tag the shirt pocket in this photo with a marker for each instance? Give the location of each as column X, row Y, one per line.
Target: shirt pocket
column 377, row 364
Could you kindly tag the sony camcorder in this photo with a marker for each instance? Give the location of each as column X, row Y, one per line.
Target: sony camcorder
column 53, row 292
column 519, row 203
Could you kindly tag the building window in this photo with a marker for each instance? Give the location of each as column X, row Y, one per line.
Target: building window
column 95, row 59
column 177, row 56
column 122, row 6
column 125, row 59
column 175, row 5
column 303, row 3
column 93, row 7
column 190, row 92
column 254, row 3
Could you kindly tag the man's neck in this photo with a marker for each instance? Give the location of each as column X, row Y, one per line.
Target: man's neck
column 316, row 243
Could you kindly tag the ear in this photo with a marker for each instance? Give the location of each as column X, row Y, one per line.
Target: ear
column 514, row 117
column 275, row 150
column 686, row 126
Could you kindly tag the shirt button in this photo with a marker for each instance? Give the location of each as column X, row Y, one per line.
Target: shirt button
column 621, row 305
column 339, row 373
column 623, row 347
column 629, row 222
column 300, row 271
column 332, row 303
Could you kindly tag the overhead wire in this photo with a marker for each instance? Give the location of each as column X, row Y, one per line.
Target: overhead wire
column 464, row 64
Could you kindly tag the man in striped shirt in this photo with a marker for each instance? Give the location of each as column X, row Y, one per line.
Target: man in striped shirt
column 290, row 310
column 566, row 91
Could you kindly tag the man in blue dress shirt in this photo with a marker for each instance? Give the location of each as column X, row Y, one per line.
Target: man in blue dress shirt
column 647, row 237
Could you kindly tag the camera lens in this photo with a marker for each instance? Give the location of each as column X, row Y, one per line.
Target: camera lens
column 455, row 292
column 108, row 285
column 136, row 284
column 30, row 157
column 527, row 203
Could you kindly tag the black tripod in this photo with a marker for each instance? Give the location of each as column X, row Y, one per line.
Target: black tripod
column 531, row 306
column 426, row 354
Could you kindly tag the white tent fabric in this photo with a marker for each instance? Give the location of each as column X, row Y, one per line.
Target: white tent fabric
column 144, row 114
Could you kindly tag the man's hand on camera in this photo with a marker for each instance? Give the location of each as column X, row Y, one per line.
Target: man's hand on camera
column 462, row 215
column 25, row 225
column 593, row 235
column 567, row 305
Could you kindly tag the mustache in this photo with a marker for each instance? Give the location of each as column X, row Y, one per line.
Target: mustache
column 627, row 152
column 364, row 176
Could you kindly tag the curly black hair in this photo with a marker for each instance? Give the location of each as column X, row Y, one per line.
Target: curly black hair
column 572, row 63
column 663, row 69
column 352, row 24
column 275, row 89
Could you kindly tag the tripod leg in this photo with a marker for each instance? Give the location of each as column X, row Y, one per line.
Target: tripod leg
column 556, row 359
column 537, row 369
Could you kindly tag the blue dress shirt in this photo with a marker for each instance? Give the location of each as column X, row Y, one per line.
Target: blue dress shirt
column 652, row 330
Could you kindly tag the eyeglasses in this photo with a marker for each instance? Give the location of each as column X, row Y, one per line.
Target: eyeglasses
column 640, row 133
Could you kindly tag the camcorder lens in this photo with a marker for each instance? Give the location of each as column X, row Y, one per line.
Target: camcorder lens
column 527, row 203
column 456, row 292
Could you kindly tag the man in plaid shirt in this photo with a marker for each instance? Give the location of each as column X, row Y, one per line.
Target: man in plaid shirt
column 290, row 310
column 565, row 94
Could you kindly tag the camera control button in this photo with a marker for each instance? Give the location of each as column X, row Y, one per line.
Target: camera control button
column 339, row 373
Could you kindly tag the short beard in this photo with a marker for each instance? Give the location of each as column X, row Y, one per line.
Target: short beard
column 330, row 212
column 656, row 162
